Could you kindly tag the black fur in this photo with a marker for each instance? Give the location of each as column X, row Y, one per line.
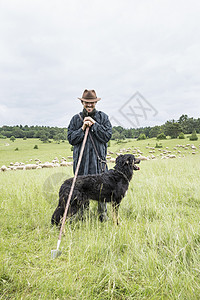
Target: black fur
column 110, row 186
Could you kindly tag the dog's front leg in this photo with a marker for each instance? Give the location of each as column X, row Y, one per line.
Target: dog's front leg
column 115, row 210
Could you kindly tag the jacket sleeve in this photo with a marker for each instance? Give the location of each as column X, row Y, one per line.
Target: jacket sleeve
column 103, row 132
column 75, row 135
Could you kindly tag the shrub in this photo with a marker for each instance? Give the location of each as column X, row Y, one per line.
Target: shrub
column 158, row 145
column 181, row 136
column 142, row 136
column 194, row 136
column 35, row 147
column 12, row 138
column 16, row 149
column 24, row 138
column 2, row 136
column 161, row 136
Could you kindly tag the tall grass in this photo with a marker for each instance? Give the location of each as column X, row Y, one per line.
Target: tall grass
column 153, row 254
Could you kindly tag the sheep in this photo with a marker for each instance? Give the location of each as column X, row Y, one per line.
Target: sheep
column 108, row 156
column 30, row 166
column 4, row 168
column 20, row 168
column 110, row 152
column 112, row 160
column 66, row 164
column 172, row 156
column 47, row 165
column 143, row 158
column 63, row 159
column 12, row 168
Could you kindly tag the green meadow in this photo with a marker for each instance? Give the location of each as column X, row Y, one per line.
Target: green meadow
column 153, row 254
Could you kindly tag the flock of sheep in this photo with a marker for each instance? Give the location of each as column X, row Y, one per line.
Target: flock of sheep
column 178, row 151
column 37, row 165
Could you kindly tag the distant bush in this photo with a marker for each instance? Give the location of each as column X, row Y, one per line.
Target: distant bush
column 35, row 147
column 181, row 136
column 16, row 149
column 2, row 136
column 121, row 141
column 24, row 138
column 158, row 145
column 142, row 136
column 12, row 138
column 194, row 136
column 161, row 136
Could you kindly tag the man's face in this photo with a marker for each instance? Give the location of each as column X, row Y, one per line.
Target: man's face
column 89, row 106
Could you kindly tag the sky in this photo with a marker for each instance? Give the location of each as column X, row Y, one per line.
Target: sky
column 141, row 57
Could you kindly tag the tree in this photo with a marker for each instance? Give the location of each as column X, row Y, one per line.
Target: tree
column 115, row 135
column 12, row 138
column 194, row 136
column 154, row 131
column 58, row 137
column 44, row 137
column 161, row 136
column 172, row 128
column 142, row 136
column 181, row 136
column 187, row 124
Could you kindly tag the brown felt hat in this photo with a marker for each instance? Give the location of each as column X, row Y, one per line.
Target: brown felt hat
column 89, row 96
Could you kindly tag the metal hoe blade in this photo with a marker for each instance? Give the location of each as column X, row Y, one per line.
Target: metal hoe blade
column 57, row 252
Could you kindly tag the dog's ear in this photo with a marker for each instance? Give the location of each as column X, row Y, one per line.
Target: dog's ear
column 119, row 158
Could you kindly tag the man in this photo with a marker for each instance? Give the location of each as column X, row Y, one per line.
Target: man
column 100, row 132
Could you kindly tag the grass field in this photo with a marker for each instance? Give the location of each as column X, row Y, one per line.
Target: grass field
column 153, row 254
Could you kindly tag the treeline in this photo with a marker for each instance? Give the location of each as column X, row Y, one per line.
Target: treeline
column 44, row 133
column 173, row 128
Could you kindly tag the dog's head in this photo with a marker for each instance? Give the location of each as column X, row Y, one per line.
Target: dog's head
column 127, row 160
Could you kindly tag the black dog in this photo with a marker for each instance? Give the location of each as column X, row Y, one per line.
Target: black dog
column 110, row 186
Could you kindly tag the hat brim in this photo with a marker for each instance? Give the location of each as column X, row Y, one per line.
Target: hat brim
column 89, row 100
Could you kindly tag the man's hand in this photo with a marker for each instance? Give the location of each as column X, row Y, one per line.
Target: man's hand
column 88, row 121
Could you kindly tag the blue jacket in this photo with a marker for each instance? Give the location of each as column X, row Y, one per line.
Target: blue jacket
column 101, row 133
